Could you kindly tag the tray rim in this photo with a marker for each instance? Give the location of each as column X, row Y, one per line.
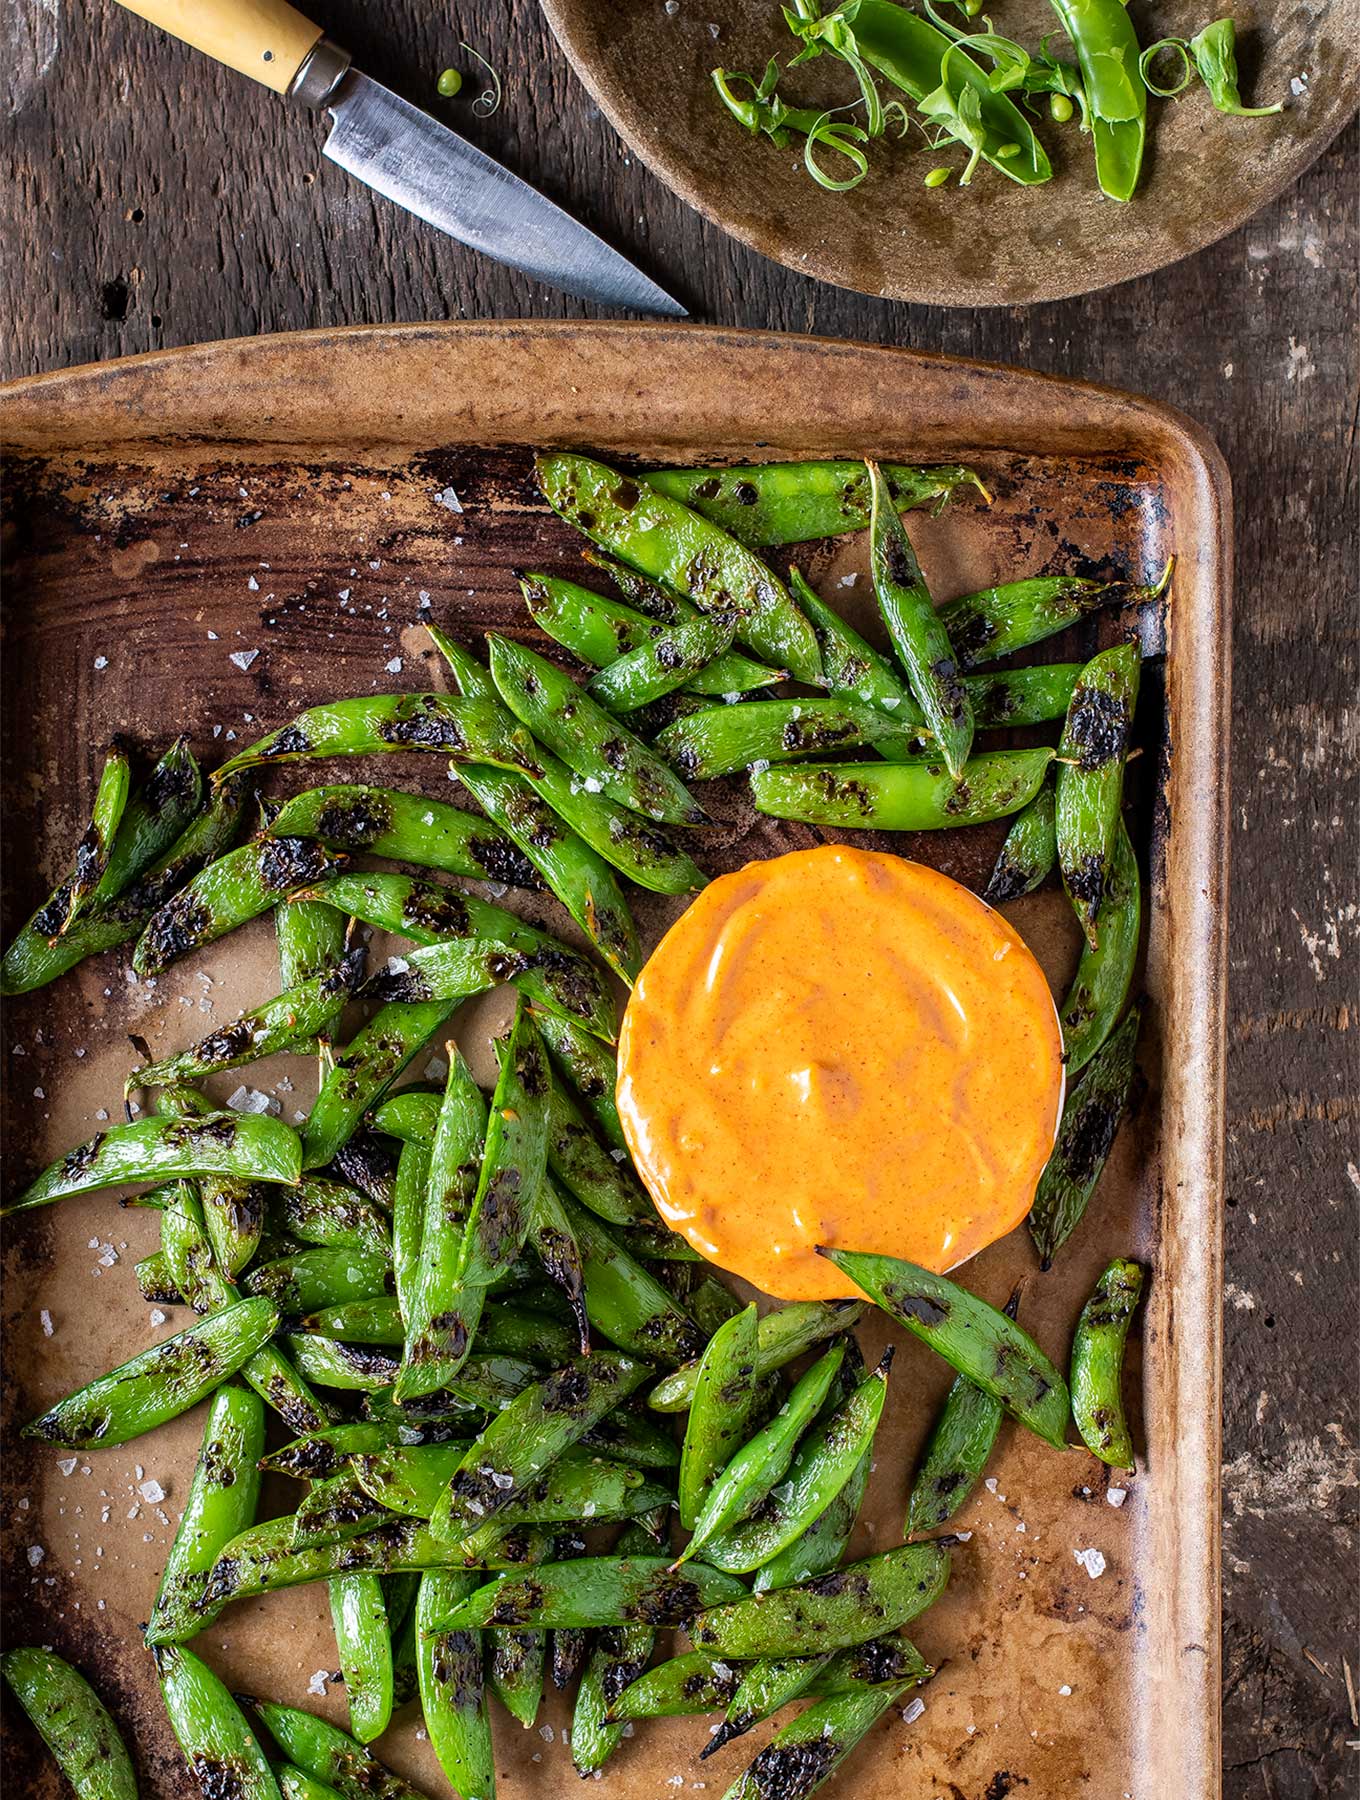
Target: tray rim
column 97, row 408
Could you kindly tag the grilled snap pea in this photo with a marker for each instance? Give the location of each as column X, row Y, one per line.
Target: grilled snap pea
column 155, row 1283
column 368, row 1065
column 236, row 888
column 914, row 796
column 311, row 938
column 363, row 1644
column 514, row 1159
column 555, row 1244
column 918, row 635
column 765, row 1687
column 720, row 1416
column 586, row 1169
column 1086, row 1132
column 472, row 680
column 722, row 739
column 311, row 1278
column 351, row 1367
column 411, row 1116
column 956, row 1453
column 624, row 1301
column 665, row 662
column 619, row 1656
column 670, row 544
column 848, row 1606
column 852, row 664
column 156, row 815
column 589, row 1067
column 997, row 621
column 769, row 504
column 295, row 1784
column 780, row 1337
column 1105, row 974
column 580, row 878
column 1029, row 852
column 73, row 1722
column 96, row 845
column 223, row 1753
column 529, row 1434
column 977, row 1339
column 514, row 1671
column 452, row 1691
column 410, row 1481
column 161, row 1382
column 220, row 1505
column 329, row 1214
column 808, row 1751
column 1090, row 783
column 1098, row 1363
column 333, row 1510
column 694, row 1682
column 408, row 828
column 597, row 1590
column 321, row 1454
column 822, row 1543
column 253, row 1147
column 408, row 1220
column 330, row 1756
column 471, row 730
column 604, row 755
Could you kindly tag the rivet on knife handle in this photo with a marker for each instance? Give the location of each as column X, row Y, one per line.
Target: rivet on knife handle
column 265, row 39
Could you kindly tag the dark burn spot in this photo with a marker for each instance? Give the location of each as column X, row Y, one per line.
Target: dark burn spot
column 1009, row 880
column 90, row 858
column 792, row 1771
column 291, row 741
column 615, row 753
column 1097, row 727
column 518, row 1601
column 802, row 735
column 76, row 1162
column 686, row 762
column 708, row 489
column 437, row 910
column 898, row 561
column 1086, row 1145
column 626, row 495
column 567, row 1390
column 827, row 1587
column 745, row 493
column 226, row 1045
column 924, row 1308
column 501, row 860
column 1002, row 1784
column 355, row 819
column 668, row 656
column 1085, row 879
column 174, row 929
column 970, row 633
column 288, row 862
column 219, row 1778
column 427, row 726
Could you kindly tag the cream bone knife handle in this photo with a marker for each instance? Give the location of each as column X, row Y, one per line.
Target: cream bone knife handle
column 266, row 39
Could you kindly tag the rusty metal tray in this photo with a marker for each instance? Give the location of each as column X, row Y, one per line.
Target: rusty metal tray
column 298, row 497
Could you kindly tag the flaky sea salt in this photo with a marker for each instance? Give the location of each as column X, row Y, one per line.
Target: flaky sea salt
column 45, row 1320
column 1116, row 1496
column 1092, row 1560
column 35, row 1555
column 393, row 667
column 317, row 1685
column 243, row 658
column 152, row 1492
column 251, row 1100
column 912, row 1711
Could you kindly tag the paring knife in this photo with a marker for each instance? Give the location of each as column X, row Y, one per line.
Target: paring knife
column 405, row 154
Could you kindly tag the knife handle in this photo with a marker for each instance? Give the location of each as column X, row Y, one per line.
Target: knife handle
column 265, row 39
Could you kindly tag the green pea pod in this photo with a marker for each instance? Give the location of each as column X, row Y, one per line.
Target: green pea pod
column 1214, row 54
column 408, row 828
column 1108, row 51
column 153, row 819
column 720, row 1416
column 294, row 1784
column 220, row 1505
column 155, row 1283
column 851, row 663
column 586, row 1169
column 998, row 621
column 807, row 1752
column 223, row 1753
column 1090, row 786
column 452, row 972
column 96, row 846
column 234, row 1217
column 1086, row 1131
column 599, row 1590
column 331, row 1756
column 514, row 1671
column 411, row 1479
column 554, row 1242
column 412, row 1116
column 374, row 723
column 452, row 1694
column 329, row 1214
column 589, row 1067
column 311, row 935
column 769, row 504
column 318, row 1455
column 1105, row 974
column 619, row 1656
column 694, row 1682
column 333, row 1510
column 658, row 1243
column 252, row 1146
column 670, row 544
column 580, row 878
column 353, row 1368
column 562, row 1500
column 228, row 893
column 918, row 635
column 513, row 1162
column 624, row 1301
column 372, row 1060
column 1029, row 852
column 73, row 1722
column 752, row 734
column 915, row 796
column 635, row 1439
column 739, row 1488
column 860, row 1601
column 665, row 662
column 765, row 1687
column 473, row 681
column 882, row 1662
column 363, row 1645
column 1098, row 1363
column 603, row 754
column 312, row 1278
column 654, row 602
column 824, row 1462
column 568, row 1648
column 529, row 1434
column 823, row 1542
column 975, row 1338
column 780, row 1337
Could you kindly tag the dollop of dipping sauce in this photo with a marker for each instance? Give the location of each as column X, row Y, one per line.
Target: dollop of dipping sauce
column 839, row 1047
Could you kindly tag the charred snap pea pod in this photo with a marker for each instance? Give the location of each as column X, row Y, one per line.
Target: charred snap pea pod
column 852, row 665
column 514, row 1671
column 765, row 1687
column 918, row 635
column 514, row 1159
column 96, row 846
column 625, row 1302
column 694, row 1682
column 311, row 938
column 363, row 1644
column 251, row 1146
column 658, row 1243
column 368, row 1065
column 1005, row 697
column 722, row 739
column 849, row 1606
column 161, row 1382
column 822, row 1543
column 588, row 739
column 956, row 1453
column 555, row 1244
column 1086, row 1131
column 295, row 1784
column 720, row 1417
column 580, row 878
column 223, row 1753
column 351, row 1367
column 589, row 1067
column 556, row 1498
column 331, row 1756
column 685, row 552
column 73, row 1722
column 882, row 1662
column 322, row 1454
column 975, row 1338
column 329, row 1214
column 1105, row 974
column 780, row 1337
column 619, row 1656
column 1098, row 1363
column 408, row 828
column 635, row 1439
column 220, row 1505
column 231, row 1215
column 667, row 661
column 236, row 888
column 578, row 1486
column 333, row 1510
column 529, row 1434
column 808, row 1751
column 473, row 681
column 452, row 1694
column 998, row 621
column 1090, row 784
column 469, row 729
column 313, row 1278
column 1029, row 852
column 155, row 1283
column 915, row 796
column 153, row 819
column 769, row 504
column 411, row 1116
column 587, row 1170
column 598, row 1590
column 739, row 1488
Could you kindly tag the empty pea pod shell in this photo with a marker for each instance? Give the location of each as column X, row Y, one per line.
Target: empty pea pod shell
column 73, row 1722
column 223, row 1753
column 914, row 796
column 331, row 1756
column 1086, row 1132
column 374, row 723
column 408, row 828
column 1098, row 1363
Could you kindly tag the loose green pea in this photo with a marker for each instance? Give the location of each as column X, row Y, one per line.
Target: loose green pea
column 938, row 177
column 449, row 83
column 1060, row 108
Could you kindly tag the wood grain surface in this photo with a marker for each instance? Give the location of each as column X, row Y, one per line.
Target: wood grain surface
column 154, row 200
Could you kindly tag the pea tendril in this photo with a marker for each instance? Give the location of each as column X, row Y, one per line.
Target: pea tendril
column 489, row 100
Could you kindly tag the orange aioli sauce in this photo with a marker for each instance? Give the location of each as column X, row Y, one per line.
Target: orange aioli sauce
column 839, row 1047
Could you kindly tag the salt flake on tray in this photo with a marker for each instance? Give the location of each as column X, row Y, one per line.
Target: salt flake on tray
column 243, row 658
column 317, row 1685
column 1116, row 1496
column 251, row 1100
column 1092, row 1560
column 912, row 1711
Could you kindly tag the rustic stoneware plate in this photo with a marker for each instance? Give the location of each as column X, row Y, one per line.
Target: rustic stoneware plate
column 296, row 498
column 649, row 64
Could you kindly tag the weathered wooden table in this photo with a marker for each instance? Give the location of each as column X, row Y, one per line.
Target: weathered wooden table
column 156, row 200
